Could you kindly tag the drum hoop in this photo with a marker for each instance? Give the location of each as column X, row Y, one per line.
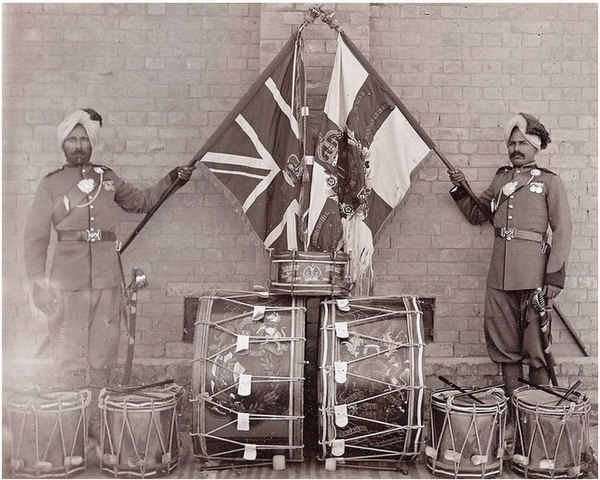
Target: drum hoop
column 121, row 401
column 566, row 408
column 485, row 408
column 77, row 400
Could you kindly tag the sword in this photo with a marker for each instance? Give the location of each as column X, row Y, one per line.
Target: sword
column 570, row 328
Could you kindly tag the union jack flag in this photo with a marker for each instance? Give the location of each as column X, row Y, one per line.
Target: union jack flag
column 257, row 152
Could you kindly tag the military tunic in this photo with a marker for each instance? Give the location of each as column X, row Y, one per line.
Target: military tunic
column 84, row 275
column 524, row 202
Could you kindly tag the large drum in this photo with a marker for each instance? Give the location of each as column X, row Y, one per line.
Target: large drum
column 467, row 432
column 371, row 380
column 551, row 441
column 139, row 435
column 247, row 378
column 48, row 432
column 310, row 273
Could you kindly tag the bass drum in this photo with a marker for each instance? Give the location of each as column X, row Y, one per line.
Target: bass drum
column 247, row 377
column 371, row 379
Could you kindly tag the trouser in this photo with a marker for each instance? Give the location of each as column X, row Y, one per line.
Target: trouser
column 84, row 338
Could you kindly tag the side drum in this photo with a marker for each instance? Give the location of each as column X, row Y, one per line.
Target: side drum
column 467, row 432
column 551, row 441
column 48, row 433
column 139, row 435
column 310, row 273
column 371, row 380
column 247, row 377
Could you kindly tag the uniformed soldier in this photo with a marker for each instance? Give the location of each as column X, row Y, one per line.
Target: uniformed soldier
column 523, row 200
column 81, row 296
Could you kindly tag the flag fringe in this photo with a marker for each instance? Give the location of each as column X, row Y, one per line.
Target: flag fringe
column 214, row 181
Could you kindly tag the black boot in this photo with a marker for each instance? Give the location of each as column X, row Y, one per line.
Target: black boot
column 539, row 376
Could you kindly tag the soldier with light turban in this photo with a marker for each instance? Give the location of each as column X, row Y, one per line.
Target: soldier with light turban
column 81, row 294
column 525, row 201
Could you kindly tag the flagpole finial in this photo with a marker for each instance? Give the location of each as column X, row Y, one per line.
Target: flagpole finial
column 329, row 19
column 310, row 16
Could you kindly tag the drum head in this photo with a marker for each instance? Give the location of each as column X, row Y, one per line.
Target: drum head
column 479, row 399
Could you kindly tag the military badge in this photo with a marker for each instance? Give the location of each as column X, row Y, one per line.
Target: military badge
column 509, row 188
column 109, row 185
column 535, row 172
column 86, row 185
column 536, row 187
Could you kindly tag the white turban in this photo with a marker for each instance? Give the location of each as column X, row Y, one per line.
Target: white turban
column 79, row 117
column 531, row 128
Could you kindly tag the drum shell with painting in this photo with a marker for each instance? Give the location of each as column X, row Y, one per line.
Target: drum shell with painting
column 139, row 435
column 551, row 441
column 310, row 273
column 273, row 326
column 383, row 391
column 48, row 433
column 466, row 437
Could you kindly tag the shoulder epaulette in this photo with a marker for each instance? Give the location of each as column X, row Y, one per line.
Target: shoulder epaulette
column 505, row 168
column 103, row 167
column 55, row 171
column 547, row 171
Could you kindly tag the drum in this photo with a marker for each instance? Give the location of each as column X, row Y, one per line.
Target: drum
column 48, row 433
column 139, row 434
column 310, row 273
column 467, row 433
column 371, row 379
column 247, row 377
column 551, row 441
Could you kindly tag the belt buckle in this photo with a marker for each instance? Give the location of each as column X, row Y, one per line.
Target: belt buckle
column 508, row 232
column 93, row 236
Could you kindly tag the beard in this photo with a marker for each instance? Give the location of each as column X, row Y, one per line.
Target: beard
column 78, row 157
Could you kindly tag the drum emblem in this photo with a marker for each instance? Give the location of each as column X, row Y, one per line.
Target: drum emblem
column 312, row 273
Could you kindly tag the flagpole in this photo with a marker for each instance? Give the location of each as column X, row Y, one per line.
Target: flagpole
column 409, row 117
column 224, row 125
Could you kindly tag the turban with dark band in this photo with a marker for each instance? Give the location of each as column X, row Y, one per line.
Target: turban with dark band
column 87, row 118
column 531, row 128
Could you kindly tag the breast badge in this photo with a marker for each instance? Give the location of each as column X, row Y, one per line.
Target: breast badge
column 509, row 188
column 536, row 187
column 109, row 185
column 86, row 185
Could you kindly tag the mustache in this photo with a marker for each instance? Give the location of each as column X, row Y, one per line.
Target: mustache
column 516, row 154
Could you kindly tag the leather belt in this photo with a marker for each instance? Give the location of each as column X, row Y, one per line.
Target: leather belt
column 89, row 235
column 510, row 233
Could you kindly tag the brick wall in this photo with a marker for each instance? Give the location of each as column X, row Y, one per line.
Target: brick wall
column 165, row 75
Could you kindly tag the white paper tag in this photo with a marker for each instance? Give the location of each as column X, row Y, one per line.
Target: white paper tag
column 244, row 384
column 341, row 415
column 341, row 369
column 343, row 304
column 341, row 329
column 243, row 421
column 250, row 451
column 243, row 343
column 259, row 312
column 338, row 447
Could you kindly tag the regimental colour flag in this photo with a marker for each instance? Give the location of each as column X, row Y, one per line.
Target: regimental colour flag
column 256, row 153
column 366, row 152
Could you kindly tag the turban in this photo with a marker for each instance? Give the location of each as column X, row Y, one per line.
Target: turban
column 87, row 118
column 531, row 128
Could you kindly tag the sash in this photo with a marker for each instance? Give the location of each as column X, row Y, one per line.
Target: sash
column 73, row 199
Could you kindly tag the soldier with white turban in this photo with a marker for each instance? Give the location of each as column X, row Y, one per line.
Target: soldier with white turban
column 81, row 293
column 523, row 200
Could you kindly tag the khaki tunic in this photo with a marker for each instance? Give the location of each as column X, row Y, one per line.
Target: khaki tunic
column 540, row 200
column 78, row 264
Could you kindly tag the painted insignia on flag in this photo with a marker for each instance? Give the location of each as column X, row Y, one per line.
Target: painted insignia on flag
column 257, row 154
column 363, row 162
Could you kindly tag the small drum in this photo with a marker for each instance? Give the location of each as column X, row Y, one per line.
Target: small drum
column 551, row 441
column 139, row 430
column 371, row 380
column 310, row 273
column 467, row 434
column 247, row 378
column 48, row 433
